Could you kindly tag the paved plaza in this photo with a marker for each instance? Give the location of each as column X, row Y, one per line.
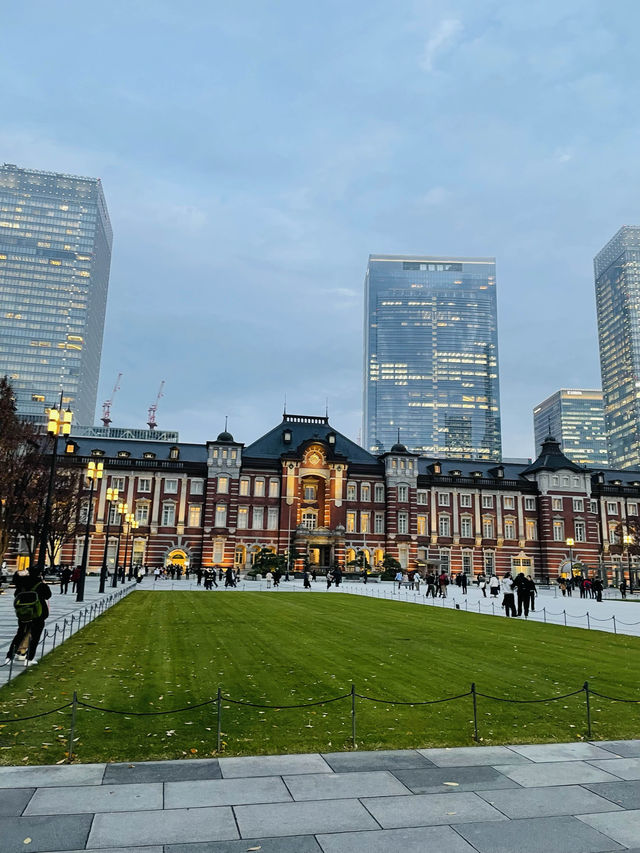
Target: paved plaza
column 553, row 798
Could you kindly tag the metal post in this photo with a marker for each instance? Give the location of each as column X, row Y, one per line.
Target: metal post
column 493, row 608
column 64, row 628
column 564, row 612
column 588, row 620
column 44, row 637
column 586, row 693
column 85, row 550
column 544, row 614
column 353, row 716
column 55, row 632
column 73, row 616
column 219, row 704
column 475, row 712
column 74, row 707
column 615, row 630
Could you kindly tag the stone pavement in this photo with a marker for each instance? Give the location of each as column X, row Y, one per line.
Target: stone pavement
column 552, row 798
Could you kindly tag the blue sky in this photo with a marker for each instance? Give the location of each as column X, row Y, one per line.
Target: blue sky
column 254, row 153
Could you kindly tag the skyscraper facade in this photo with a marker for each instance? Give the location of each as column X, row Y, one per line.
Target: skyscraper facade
column 55, row 255
column 431, row 356
column 617, row 276
column 575, row 418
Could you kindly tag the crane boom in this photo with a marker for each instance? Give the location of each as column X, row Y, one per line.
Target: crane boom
column 106, row 406
column 153, row 408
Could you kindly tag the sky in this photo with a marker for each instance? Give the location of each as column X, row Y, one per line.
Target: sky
column 254, row 153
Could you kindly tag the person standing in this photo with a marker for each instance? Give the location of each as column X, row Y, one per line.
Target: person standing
column 482, row 584
column 623, row 588
column 494, row 585
column 531, row 589
column 443, row 582
column 30, row 604
column 65, row 577
column 399, row 579
column 463, row 582
column 431, row 584
column 269, row 578
column 508, row 600
column 523, row 599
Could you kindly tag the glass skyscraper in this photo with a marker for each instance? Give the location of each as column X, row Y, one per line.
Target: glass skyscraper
column 575, row 418
column 55, row 254
column 431, row 356
column 617, row 275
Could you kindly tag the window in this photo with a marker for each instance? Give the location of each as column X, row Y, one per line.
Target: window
column 489, row 562
column 509, row 503
column 403, row 522
column 578, row 505
column 310, row 493
column 138, row 552
column 378, row 521
column 444, row 498
column 170, row 487
column 274, row 488
column 487, row 501
column 465, row 526
column 244, row 486
column 558, row 531
column 580, row 531
column 444, row 525
column 556, row 504
column 142, row 513
column 509, row 528
column 365, row 492
column 218, row 551
column 445, row 560
column 84, row 513
column 272, row 518
column 614, row 539
column 258, row 487
column 531, row 528
column 113, row 513
column 223, row 484
column 168, row 514
column 258, row 517
column 351, row 492
column 530, row 503
column 465, row 500
column 195, row 515
column 174, row 453
column 467, row 562
column 221, row 515
column 144, row 484
column 351, row 522
column 422, row 496
column 612, row 507
column 243, row 517
column 309, row 520
column 378, row 493
column 632, row 509
column 197, row 487
column 117, row 483
column 422, row 525
column 365, row 522
column 403, row 494
column 487, row 528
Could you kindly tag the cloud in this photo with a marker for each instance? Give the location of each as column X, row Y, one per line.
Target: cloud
column 441, row 39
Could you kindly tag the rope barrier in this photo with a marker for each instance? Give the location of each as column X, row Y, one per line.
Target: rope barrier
column 285, row 707
column 612, row 698
column 427, row 702
column 35, row 716
column 527, row 701
column 146, row 713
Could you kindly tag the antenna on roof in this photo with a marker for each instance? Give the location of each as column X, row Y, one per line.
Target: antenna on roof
column 284, row 411
column 226, row 421
column 398, row 435
column 326, row 408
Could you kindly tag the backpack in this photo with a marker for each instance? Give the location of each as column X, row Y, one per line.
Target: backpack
column 27, row 604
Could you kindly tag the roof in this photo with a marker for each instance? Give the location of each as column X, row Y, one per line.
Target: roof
column 551, row 458
column 306, row 428
column 162, row 450
column 469, row 468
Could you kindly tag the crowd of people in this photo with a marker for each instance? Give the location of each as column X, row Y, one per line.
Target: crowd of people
column 587, row 587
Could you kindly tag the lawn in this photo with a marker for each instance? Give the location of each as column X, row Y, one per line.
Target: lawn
column 158, row 651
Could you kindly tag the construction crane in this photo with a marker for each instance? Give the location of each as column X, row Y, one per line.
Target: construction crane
column 106, row 406
column 154, row 408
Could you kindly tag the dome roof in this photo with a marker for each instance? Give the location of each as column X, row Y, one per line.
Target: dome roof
column 225, row 437
column 399, row 448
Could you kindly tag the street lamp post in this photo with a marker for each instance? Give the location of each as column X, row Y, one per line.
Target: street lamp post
column 59, row 423
column 133, row 526
column 123, row 508
column 570, row 543
column 94, row 472
column 129, row 521
column 627, row 539
column 112, row 497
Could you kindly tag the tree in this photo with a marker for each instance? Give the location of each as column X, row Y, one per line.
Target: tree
column 389, row 567
column 21, row 465
column 360, row 561
column 267, row 561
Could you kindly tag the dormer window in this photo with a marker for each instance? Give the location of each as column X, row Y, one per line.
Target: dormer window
column 148, row 455
column 476, row 473
column 96, row 452
column 456, row 473
column 174, row 453
column 437, row 468
column 331, row 438
column 616, row 482
column 287, row 436
column 123, row 454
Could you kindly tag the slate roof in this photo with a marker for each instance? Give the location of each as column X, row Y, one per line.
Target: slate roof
column 137, row 448
column 272, row 444
column 488, row 468
column 551, row 458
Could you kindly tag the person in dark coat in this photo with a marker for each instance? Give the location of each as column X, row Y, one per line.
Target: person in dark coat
column 530, row 588
column 522, row 593
column 228, row 578
column 65, row 577
column 25, row 643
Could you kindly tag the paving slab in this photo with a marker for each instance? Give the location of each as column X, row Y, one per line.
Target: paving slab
column 225, row 792
column 96, row 798
column 537, row 835
column 430, row 810
column 623, row 827
column 51, row 775
column 273, row 765
column 446, row 780
column 384, row 759
column 131, row 829
column 336, row 786
column 14, row 800
column 153, row 849
column 581, row 751
column 307, row 818
column 556, row 773
column 434, row 839
column 625, row 768
column 469, row 756
column 289, row 844
column 57, row 832
column 623, row 748
column 625, row 794
column 162, row 771
column 548, row 802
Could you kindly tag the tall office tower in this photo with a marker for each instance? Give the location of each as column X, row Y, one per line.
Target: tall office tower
column 55, row 254
column 575, row 418
column 617, row 274
column 431, row 356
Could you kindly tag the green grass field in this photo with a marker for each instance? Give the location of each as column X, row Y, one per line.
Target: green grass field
column 157, row 651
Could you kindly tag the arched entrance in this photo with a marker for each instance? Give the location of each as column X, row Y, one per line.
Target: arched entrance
column 177, row 557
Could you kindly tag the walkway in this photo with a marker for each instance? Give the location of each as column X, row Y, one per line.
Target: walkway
column 555, row 798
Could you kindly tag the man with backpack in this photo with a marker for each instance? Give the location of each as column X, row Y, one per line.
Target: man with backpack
column 30, row 604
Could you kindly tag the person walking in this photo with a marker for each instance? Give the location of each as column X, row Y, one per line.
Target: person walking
column 508, row 601
column 523, row 599
column 482, row 584
column 75, row 577
column 329, row 577
column 30, row 604
column 532, row 591
column 494, row 585
column 65, row 577
column 269, row 578
column 463, row 582
column 430, row 580
column 623, row 588
column 399, row 579
column 443, row 583
column 306, row 583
